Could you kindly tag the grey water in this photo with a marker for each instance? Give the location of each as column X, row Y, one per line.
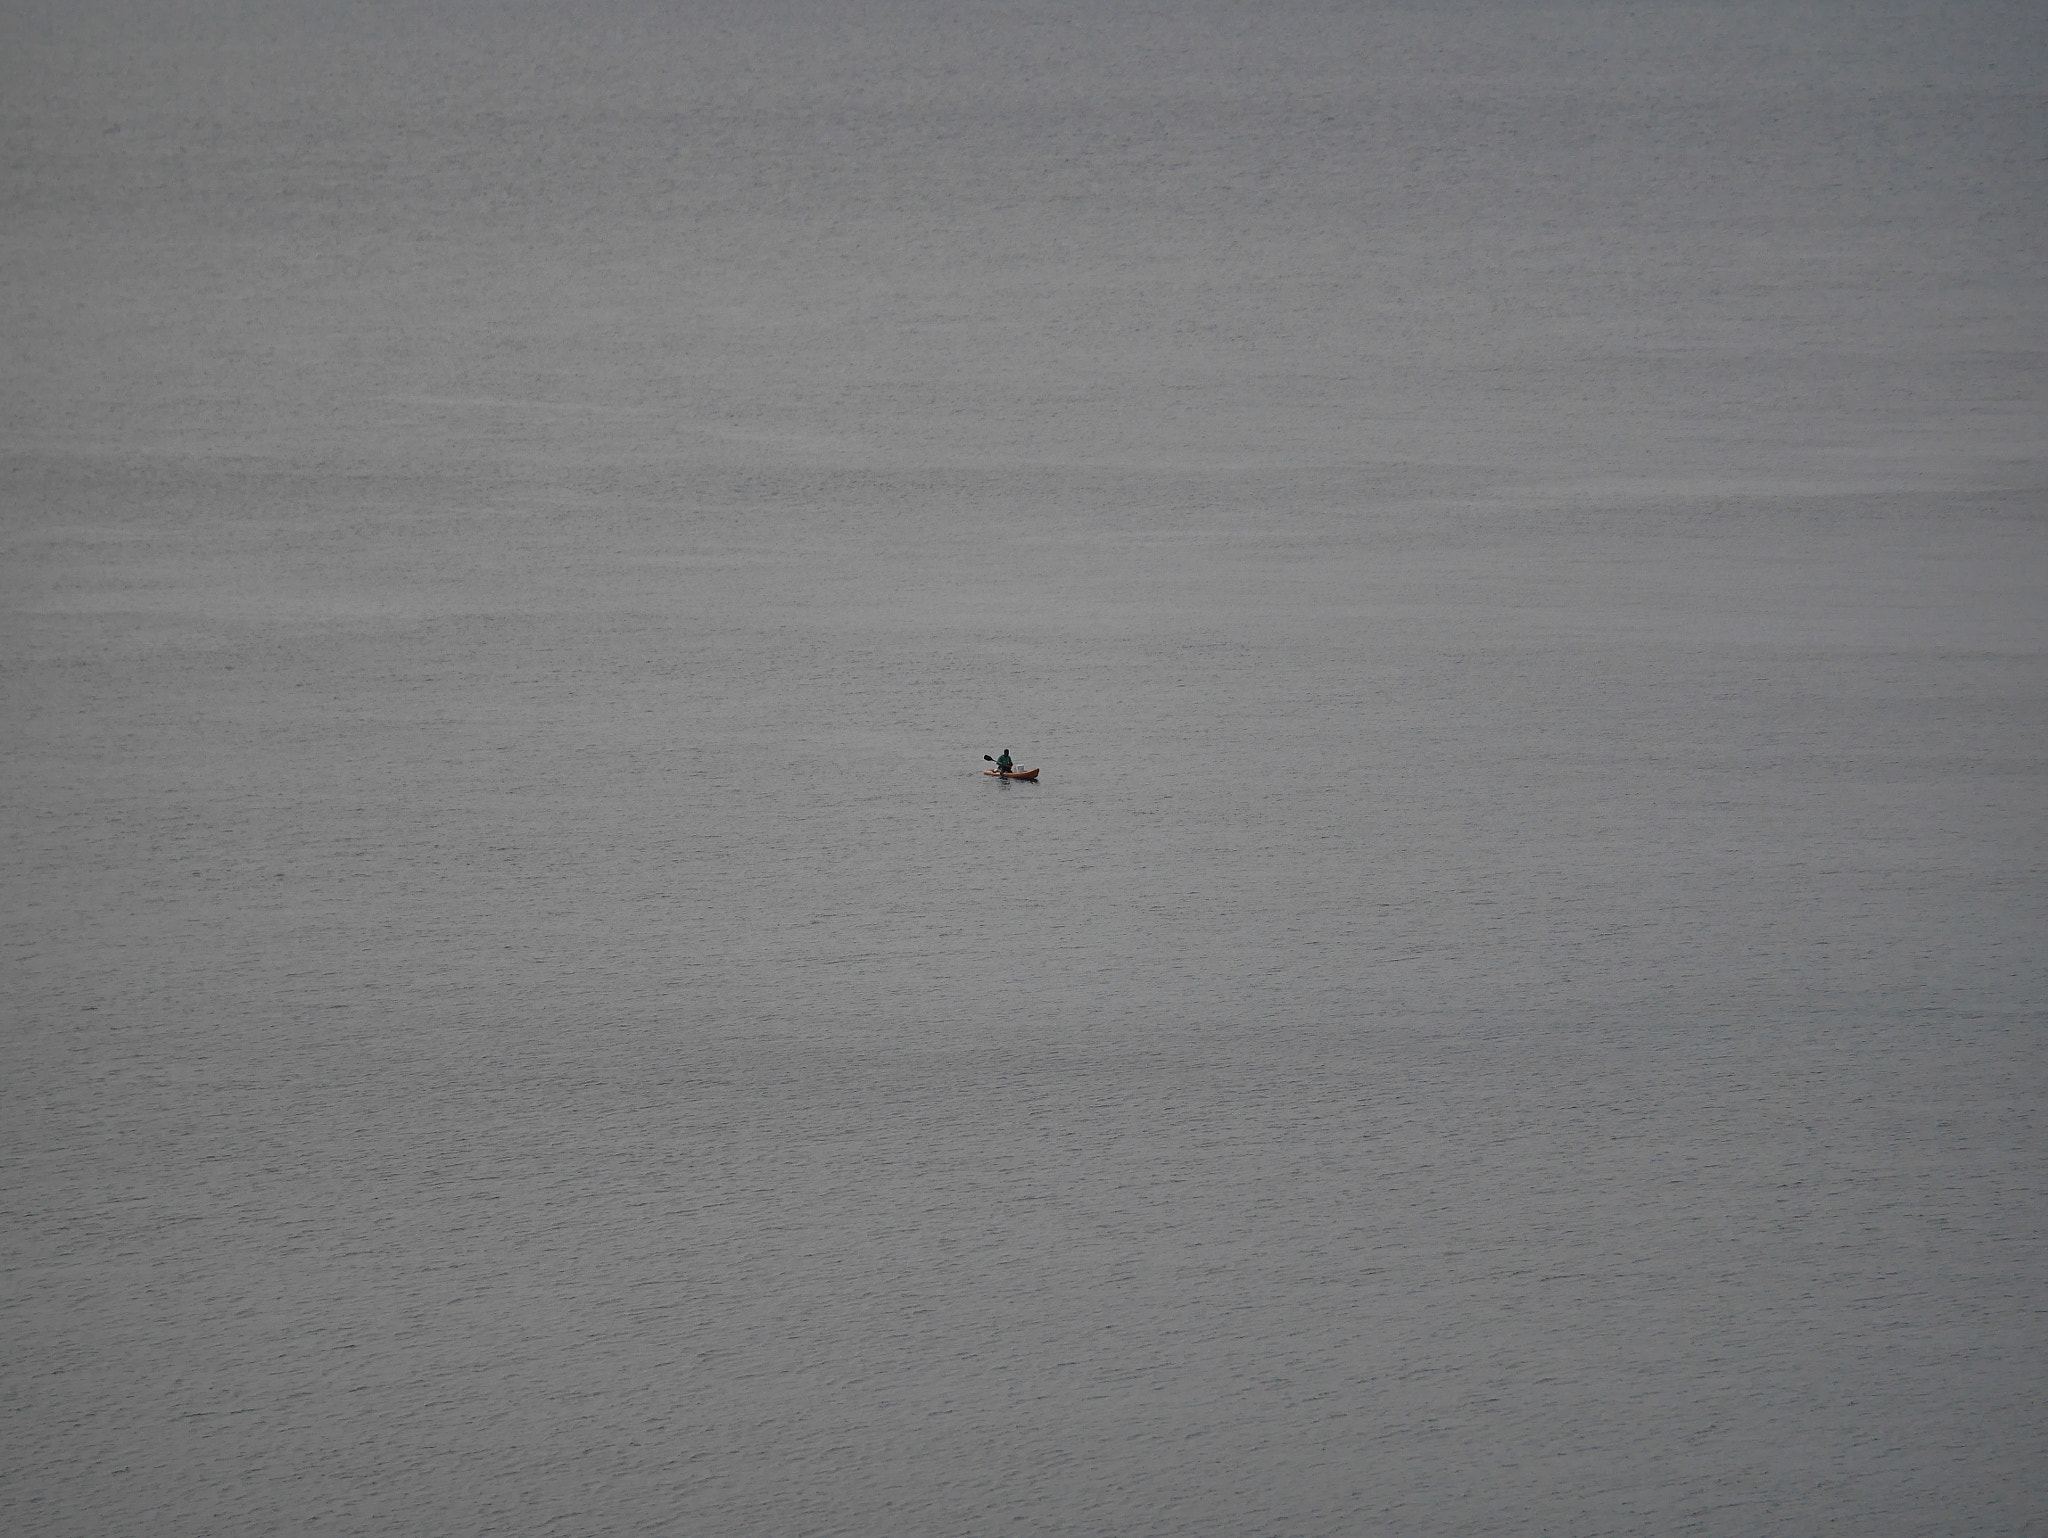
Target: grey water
column 1514, row 534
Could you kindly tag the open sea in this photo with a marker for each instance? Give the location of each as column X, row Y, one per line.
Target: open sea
column 1516, row 534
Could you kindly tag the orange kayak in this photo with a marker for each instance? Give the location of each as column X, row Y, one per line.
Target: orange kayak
column 1014, row 774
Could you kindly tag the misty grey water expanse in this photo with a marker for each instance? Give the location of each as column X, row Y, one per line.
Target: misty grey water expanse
column 1515, row 533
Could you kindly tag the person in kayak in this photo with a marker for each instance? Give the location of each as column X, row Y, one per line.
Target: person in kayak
column 1004, row 763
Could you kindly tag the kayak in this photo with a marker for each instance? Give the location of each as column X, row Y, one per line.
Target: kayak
column 1014, row 774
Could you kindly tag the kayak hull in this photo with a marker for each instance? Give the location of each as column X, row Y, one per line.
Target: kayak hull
column 1014, row 774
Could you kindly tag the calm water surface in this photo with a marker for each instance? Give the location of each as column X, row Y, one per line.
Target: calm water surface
column 1515, row 537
